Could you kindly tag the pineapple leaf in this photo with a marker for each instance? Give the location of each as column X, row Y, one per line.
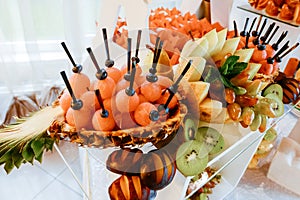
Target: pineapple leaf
column 49, row 142
column 28, row 153
column 27, row 139
column 17, row 158
column 9, row 165
column 37, row 146
column 5, row 157
column 39, row 158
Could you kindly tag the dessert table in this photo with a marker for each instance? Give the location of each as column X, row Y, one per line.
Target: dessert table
column 63, row 172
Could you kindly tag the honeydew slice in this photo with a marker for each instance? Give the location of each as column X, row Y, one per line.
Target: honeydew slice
column 198, row 47
column 221, row 40
column 200, row 89
column 212, row 38
column 196, row 69
column 229, row 47
column 244, row 54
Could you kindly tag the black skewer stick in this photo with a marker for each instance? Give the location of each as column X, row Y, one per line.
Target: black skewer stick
column 276, row 44
column 101, row 74
column 138, row 41
column 267, row 33
column 244, row 33
column 127, row 75
column 104, row 113
column 252, row 25
column 76, row 68
column 130, row 91
column 256, row 40
column 151, row 76
column 272, row 35
column 247, row 40
column 154, row 114
column 191, row 34
column 279, row 58
column 255, row 32
column 76, row 104
column 280, row 51
column 109, row 62
column 235, row 29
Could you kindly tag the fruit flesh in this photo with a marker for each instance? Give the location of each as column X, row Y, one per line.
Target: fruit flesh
column 191, row 158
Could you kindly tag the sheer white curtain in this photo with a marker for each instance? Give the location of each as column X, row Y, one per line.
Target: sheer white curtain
column 30, row 35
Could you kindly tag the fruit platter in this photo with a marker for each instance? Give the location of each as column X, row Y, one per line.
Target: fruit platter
column 168, row 109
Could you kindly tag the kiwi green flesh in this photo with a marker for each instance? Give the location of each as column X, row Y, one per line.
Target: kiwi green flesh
column 211, row 138
column 274, row 89
column 277, row 106
column 191, row 158
column 189, row 129
column 270, row 135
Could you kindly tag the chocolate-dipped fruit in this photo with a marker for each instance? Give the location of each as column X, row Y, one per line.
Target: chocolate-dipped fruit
column 157, row 169
column 130, row 188
column 125, row 161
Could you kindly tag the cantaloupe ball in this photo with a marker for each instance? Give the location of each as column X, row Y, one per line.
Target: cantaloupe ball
column 114, row 73
column 152, row 91
column 108, row 104
column 270, row 51
column 164, row 82
column 258, row 55
column 103, row 123
column 139, row 80
column 79, row 118
column 106, row 87
column 123, row 84
column 79, row 83
column 138, row 68
column 90, row 101
column 142, row 98
column 126, row 103
column 125, row 120
column 142, row 113
column 164, row 97
column 65, row 101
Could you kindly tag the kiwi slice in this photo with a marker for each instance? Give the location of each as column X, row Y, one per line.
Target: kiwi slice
column 270, row 135
column 190, row 129
column 277, row 104
column 191, row 158
column 274, row 89
column 211, row 138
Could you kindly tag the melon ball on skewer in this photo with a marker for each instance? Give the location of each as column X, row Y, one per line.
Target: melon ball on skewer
column 270, row 51
column 142, row 113
column 259, row 54
column 79, row 118
column 90, row 101
column 112, row 71
column 76, row 115
column 151, row 91
column 65, row 101
column 106, row 87
column 78, row 81
column 105, row 84
column 127, row 100
column 103, row 123
column 102, row 119
column 164, row 97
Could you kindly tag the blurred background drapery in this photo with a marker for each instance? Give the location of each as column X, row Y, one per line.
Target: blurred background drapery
column 30, row 35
